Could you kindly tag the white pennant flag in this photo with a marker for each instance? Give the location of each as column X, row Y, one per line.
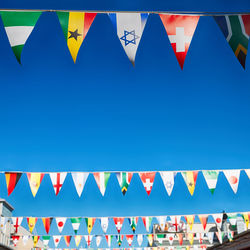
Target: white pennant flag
column 25, row 239
column 233, row 177
column 57, row 180
column 139, row 239
column 60, row 222
column 162, row 221
column 129, row 28
column 88, row 239
column 170, row 238
column 168, row 180
column 248, row 172
column 98, row 240
column 56, row 239
column 218, row 219
column 104, row 223
column 175, row 223
column 3, row 221
column 79, row 181
column 17, row 222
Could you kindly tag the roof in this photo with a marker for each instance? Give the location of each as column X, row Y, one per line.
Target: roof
column 7, row 204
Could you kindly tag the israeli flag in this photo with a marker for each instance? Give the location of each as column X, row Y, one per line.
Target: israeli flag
column 129, row 28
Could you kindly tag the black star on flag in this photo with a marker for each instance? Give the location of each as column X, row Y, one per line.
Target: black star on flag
column 74, row 34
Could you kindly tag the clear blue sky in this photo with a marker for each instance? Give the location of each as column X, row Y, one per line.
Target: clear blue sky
column 104, row 114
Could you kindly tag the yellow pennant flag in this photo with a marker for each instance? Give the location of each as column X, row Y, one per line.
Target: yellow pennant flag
column 90, row 223
column 78, row 239
column 31, row 223
column 190, row 179
column 150, row 239
column 190, row 221
column 35, row 180
column 191, row 238
column 246, row 217
column 35, row 240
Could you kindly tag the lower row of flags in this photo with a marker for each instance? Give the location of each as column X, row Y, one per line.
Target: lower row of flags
column 124, row 179
column 173, row 223
column 202, row 238
column 129, row 28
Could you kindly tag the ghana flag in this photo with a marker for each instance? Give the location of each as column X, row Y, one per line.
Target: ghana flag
column 18, row 26
column 75, row 26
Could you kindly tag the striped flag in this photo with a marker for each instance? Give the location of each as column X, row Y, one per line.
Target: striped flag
column 16, row 223
column 129, row 28
column 18, row 26
column 180, row 238
column 190, row 221
column 119, row 239
column 67, row 239
column 220, row 235
column 118, row 223
column 12, row 180
column 147, row 179
column 90, row 223
column 78, row 239
column 75, row 26
column 150, row 238
column 211, row 177
column 124, row 179
column 190, row 237
column 203, row 220
column 57, row 180
column 31, row 223
column 79, row 181
column 56, row 239
column 101, row 179
column 35, row 180
column 47, row 223
column 133, row 223
column 246, row 217
column 45, row 240
column 35, row 240
column 236, row 29
column 147, row 222
column 76, row 224
column 109, row 239
column 190, row 178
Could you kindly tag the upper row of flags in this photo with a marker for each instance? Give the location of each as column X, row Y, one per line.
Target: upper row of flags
column 124, row 179
column 129, row 28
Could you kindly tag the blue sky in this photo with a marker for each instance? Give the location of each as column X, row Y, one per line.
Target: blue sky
column 104, row 114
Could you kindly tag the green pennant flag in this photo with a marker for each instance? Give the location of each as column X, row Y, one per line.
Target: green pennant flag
column 211, row 177
column 76, row 223
column 18, row 26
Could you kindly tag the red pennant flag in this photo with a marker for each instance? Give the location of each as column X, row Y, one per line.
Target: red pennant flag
column 203, row 220
column 118, row 223
column 147, row 179
column 130, row 239
column 67, row 239
column 180, row 238
column 12, row 180
column 180, row 30
column 47, row 223
column 15, row 239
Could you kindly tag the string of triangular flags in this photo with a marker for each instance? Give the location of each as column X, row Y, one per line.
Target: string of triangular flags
column 129, row 28
column 124, row 179
column 175, row 223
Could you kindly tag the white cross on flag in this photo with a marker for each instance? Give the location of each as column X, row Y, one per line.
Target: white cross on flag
column 79, row 181
column 16, row 222
column 57, row 180
column 168, row 180
column 104, row 223
column 56, row 239
column 233, row 177
column 130, row 239
column 118, row 223
column 180, row 30
column 147, row 179
column 162, row 221
column 60, row 222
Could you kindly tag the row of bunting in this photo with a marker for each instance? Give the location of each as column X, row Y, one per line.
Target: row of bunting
column 132, row 240
column 124, row 179
column 173, row 223
column 194, row 247
column 129, row 28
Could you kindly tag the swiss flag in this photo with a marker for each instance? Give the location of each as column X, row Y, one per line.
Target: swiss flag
column 147, row 179
column 130, row 239
column 180, row 30
column 118, row 223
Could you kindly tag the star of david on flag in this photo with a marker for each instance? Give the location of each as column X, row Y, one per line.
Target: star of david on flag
column 129, row 28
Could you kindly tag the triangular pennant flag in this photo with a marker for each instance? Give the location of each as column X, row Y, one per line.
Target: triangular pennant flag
column 119, row 239
column 57, row 180
column 139, row 239
column 124, row 179
column 3, row 221
column 47, row 223
column 232, row 217
column 60, row 222
column 203, row 220
column 147, row 222
column 15, row 239
column 200, row 237
column 129, row 28
column 190, row 221
column 133, row 223
column 175, row 222
column 162, row 221
column 79, row 181
column 18, row 26
column 35, row 180
column 118, row 223
column 168, row 180
column 31, row 223
column 78, row 239
column 67, row 239
column 248, row 172
column 220, row 236
column 210, row 236
column 190, row 237
column 56, row 239
column 75, row 26
column 104, row 224
column 16, row 223
column 109, row 239
column 46, row 240
column 190, row 178
column 150, row 238
column 129, row 239
column 12, row 180
column 101, row 179
column 25, row 239
column 180, row 30
column 90, row 223
column 230, row 235
column 98, row 240
column 76, row 224
column 236, row 29
column 218, row 219
column 246, row 217
column 160, row 238
column 35, row 240
column 147, row 179
column 211, row 177
column 233, row 177
column 88, row 239
column 180, row 238
column 170, row 238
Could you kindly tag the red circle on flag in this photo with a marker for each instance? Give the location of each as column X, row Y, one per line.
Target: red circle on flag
column 57, row 240
column 60, row 223
column 218, row 220
column 171, row 238
column 233, row 179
